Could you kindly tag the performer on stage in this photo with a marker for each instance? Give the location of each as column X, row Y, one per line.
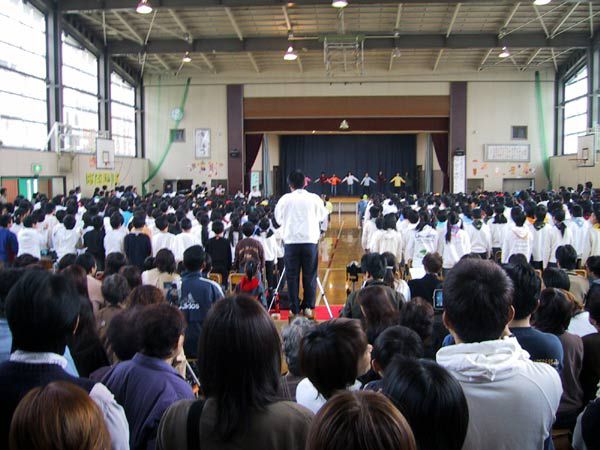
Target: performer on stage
column 307, row 181
column 349, row 180
column 334, row 181
column 321, row 181
column 366, row 183
column 398, row 182
column 381, row 180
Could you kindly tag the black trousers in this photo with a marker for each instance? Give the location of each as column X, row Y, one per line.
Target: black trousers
column 270, row 274
column 303, row 257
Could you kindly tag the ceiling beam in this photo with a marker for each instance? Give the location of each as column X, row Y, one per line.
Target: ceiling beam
column 129, row 28
column 208, row 62
column 234, row 24
column 414, row 41
column 398, row 17
column 92, row 5
column 286, row 16
column 484, row 59
column 300, row 66
column 591, row 19
column 541, row 19
column 438, row 59
column 564, row 18
column 454, row 16
column 253, row 61
column 510, row 16
column 162, row 62
column 182, row 26
column 531, row 58
column 554, row 59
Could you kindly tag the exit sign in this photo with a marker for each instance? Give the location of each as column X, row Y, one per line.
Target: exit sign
column 36, row 168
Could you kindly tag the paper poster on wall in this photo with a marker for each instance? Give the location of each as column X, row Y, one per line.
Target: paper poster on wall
column 459, row 174
column 202, row 143
column 254, row 180
column 101, row 178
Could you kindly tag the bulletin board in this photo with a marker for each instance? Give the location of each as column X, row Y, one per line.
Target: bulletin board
column 507, row 153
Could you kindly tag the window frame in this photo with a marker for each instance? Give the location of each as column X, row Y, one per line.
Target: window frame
column 570, row 75
column 135, row 86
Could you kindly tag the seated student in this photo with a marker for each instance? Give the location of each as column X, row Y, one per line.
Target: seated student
column 424, row 287
column 163, row 275
column 9, row 246
column 332, row 356
column 162, row 238
column 389, row 239
column 39, row 340
column 590, row 369
column 81, row 425
column 378, row 309
column 94, row 286
column 137, row 244
column 248, row 248
column 132, row 274
column 517, row 237
column 291, row 336
column 431, row 400
column 197, row 295
column 114, row 237
column 542, row 347
column 115, row 290
column 66, row 239
column 373, row 265
column 93, row 241
column 250, row 283
column 220, row 251
column 419, row 316
column 497, row 376
column 184, row 240
column 554, row 277
column 29, row 240
column 240, row 409
column 566, row 257
column 148, row 384
column 553, row 316
column 394, row 342
column 360, row 421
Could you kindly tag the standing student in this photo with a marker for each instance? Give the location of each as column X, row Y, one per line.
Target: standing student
column 498, row 226
column 334, row 180
column 67, row 238
column 454, row 244
column 350, row 180
column 389, row 240
column 398, row 181
column 579, row 229
column 162, row 239
column 220, row 252
column 366, row 183
column 137, row 244
column 93, row 241
column 267, row 239
column 381, row 182
column 248, row 248
column 541, row 231
column 561, row 235
column 422, row 240
column 115, row 235
column 592, row 242
column 480, row 235
column 518, row 238
column 29, row 240
column 9, row 246
column 184, row 240
column 321, row 181
column 300, row 213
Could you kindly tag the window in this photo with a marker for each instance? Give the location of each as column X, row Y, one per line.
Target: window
column 576, row 110
column 80, row 95
column 122, row 109
column 177, row 135
column 23, row 97
column 519, row 132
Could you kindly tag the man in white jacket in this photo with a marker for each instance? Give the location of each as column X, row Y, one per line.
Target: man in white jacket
column 512, row 400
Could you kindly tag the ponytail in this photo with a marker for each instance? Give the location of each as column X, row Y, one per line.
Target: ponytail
column 452, row 221
column 250, row 269
column 562, row 227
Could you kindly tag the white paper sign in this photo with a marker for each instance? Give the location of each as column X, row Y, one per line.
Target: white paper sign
column 202, row 143
column 459, row 174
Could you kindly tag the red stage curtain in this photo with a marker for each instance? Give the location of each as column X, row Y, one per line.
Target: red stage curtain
column 253, row 143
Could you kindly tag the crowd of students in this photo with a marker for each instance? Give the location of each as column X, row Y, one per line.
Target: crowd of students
column 105, row 335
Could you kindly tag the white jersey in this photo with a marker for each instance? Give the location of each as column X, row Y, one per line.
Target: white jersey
column 481, row 239
column 66, row 241
column 182, row 242
column 113, row 240
column 388, row 241
column 592, row 243
column 369, row 228
column 558, row 239
column 540, row 247
column 162, row 240
column 579, row 229
column 420, row 243
column 30, row 242
column 517, row 240
column 458, row 246
column 497, row 231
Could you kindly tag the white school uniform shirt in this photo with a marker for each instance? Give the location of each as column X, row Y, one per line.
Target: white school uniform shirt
column 452, row 251
column 388, row 241
column 540, row 247
column 300, row 213
column 497, row 231
column 16, row 227
column 66, row 241
column 517, row 240
column 579, row 229
column 592, row 243
column 279, row 251
column 182, row 242
column 481, row 240
column 30, row 242
column 268, row 245
column 369, row 228
column 113, row 240
column 419, row 244
column 557, row 239
column 162, row 240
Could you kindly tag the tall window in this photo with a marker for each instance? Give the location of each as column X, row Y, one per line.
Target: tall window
column 23, row 97
column 122, row 109
column 576, row 110
column 80, row 94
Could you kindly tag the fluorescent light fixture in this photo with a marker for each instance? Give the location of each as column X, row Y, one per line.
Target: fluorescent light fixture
column 144, row 7
column 504, row 53
column 187, row 58
column 339, row 3
column 290, row 54
column 541, row 2
column 396, row 53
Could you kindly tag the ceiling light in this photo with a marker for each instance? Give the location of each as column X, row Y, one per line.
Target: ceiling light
column 504, row 53
column 541, row 2
column 344, row 125
column 396, row 53
column 339, row 3
column 290, row 54
column 187, row 58
column 144, row 7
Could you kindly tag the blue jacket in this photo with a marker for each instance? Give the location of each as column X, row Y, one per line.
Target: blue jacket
column 9, row 246
column 196, row 296
column 146, row 387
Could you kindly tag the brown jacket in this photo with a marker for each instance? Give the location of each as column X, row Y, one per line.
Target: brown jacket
column 246, row 249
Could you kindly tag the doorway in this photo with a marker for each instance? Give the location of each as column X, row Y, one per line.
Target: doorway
column 29, row 186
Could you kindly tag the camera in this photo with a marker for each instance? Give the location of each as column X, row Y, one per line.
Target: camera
column 353, row 270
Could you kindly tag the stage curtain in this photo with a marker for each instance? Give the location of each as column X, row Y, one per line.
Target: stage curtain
column 253, row 142
column 358, row 153
column 440, row 144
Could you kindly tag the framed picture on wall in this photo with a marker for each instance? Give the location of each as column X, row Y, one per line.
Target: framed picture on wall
column 202, row 143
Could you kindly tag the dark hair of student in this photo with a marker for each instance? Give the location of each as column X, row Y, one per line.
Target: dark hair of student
column 229, row 338
column 592, row 303
column 165, row 261
column 518, row 216
column 593, row 265
column 149, row 263
column 430, row 399
column 554, row 277
column 233, row 229
column 122, row 334
column 138, row 222
column 540, row 217
column 396, row 341
column 379, row 310
column 329, row 355
column 418, row 315
column 132, row 274
column 161, row 223
column 374, row 265
column 526, row 288
column 559, row 216
column 250, row 269
column 391, row 269
column 87, row 261
column 160, row 327
column 499, row 216
column 113, row 263
column 362, row 420
column 433, row 262
column 116, row 220
column 477, row 300
column 476, row 215
column 79, row 425
column 56, row 304
column 66, row 261
column 566, row 255
column 115, row 289
column 77, row 275
column 296, row 179
column 424, row 220
column 193, row 258
column 4, row 220
column 145, row 295
column 555, row 312
column 218, row 227
column 453, row 220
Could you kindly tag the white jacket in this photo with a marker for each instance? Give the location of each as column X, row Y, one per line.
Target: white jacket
column 512, row 400
column 481, row 239
column 30, row 242
column 452, row 251
column 540, row 247
column 497, row 231
column 517, row 240
column 113, row 240
column 369, row 228
column 182, row 242
column 162, row 240
column 66, row 241
column 579, row 229
column 419, row 244
column 388, row 241
column 269, row 246
column 592, row 243
column 558, row 239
